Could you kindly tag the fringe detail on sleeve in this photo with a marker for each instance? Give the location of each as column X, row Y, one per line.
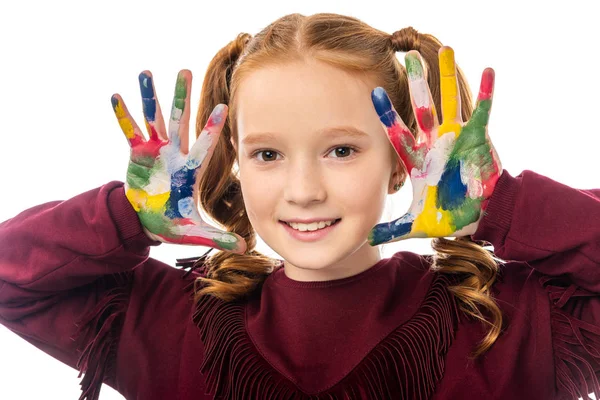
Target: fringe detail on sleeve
column 193, row 264
column 405, row 365
column 97, row 336
column 576, row 343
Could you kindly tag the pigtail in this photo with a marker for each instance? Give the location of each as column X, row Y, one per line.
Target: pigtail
column 229, row 276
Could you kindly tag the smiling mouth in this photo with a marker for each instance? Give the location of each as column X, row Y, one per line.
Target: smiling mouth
column 311, row 227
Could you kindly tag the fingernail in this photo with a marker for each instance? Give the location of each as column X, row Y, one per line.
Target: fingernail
column 383, row 106
column 180, row 93
column 148, row 101
column 447, row 67
column 487, row 84
column 413, row 67
column 217, row 115
column 146, row 85
column 114, row 100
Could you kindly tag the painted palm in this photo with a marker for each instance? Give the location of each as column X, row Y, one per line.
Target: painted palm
column 453, row 167
column 162, row 174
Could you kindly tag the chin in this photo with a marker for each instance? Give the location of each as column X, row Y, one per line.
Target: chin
column 316, row 262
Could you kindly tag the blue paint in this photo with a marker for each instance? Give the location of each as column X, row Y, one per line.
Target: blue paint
column 148, row 100
column 115, row 102
column 383, row 107
column 387, row 232
column 451, row 189
column 182, row 184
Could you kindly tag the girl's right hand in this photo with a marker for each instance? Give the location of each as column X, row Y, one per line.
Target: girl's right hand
column 162, row 176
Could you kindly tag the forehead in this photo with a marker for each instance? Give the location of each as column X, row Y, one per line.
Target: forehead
column 304, row 96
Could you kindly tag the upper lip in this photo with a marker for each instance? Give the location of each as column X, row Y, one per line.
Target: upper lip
column 308, row 220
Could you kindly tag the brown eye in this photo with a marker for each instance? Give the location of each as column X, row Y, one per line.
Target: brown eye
column 342, row 151
column 266, row 155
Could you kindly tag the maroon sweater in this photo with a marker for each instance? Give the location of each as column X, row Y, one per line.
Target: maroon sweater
column 76, row 281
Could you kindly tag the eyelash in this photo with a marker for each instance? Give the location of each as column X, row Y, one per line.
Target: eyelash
column 353, row 149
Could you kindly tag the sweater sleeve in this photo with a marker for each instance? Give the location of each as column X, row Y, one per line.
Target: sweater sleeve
column 552, row 227
column 65, row 275
column 555, row 230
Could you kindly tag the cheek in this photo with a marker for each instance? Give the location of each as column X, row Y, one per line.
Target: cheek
column 259, row 197
column 363, row 191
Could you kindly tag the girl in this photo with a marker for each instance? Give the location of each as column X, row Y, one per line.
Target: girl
column 297, row 123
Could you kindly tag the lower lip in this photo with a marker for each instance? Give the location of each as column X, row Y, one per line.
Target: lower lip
column 309, row 236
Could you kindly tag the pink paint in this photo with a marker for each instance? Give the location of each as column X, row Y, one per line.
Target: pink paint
column 487, row 84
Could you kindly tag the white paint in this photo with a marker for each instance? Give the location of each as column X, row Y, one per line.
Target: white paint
column 199, row 150
column 471, row 177
column 436, row 158
column 419, row 91
column 187, row 207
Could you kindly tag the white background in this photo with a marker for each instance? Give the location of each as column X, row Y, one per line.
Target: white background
column 60, row 62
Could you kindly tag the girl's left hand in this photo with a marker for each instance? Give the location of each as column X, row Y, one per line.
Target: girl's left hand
column 453, row 167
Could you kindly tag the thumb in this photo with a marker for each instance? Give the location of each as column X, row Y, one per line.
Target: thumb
column 393, row 231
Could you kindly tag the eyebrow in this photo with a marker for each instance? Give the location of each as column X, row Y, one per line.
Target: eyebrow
column 329, row 133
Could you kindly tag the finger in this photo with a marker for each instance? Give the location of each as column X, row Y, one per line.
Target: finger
column 206, row 235
column 476, row 138
column 179, row 122
column 152, row 112
column 481, row 114
column 411, row 153
column 392, row 231
column 451, row 110
column 126, row 122
column 203, row 148
column 421, row 99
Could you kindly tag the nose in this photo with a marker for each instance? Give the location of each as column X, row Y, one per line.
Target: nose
column 304, row 184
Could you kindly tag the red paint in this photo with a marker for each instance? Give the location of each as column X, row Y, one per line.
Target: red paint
column 309, row 236
column 404, row 143
column 195, row 240
column 150, row 148
column 136, row 140
column 487, row 84
column 425, row 119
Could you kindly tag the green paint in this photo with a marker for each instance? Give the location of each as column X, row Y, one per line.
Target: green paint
column 227, row 245
column 154, row 222
column 138, row 174
column 467, row 213
column 180, row 94
column 481, row 114
column 413, row 66
column 144, row 160
column 472, row 146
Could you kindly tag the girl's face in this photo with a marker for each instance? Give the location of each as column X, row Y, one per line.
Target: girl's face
column 311, row 147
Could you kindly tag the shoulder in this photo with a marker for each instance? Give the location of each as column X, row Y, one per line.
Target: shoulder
column 407, row 264
column 411, row 274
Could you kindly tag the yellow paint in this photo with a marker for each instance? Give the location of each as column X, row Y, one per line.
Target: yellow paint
column 124, row 122
column 139, row 198
column 450, row 94
column 427, row 221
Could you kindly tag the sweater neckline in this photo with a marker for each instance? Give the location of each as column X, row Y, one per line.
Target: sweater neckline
column 280, row 278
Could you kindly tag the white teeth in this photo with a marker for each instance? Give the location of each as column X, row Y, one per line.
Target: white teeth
column 313, row 226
